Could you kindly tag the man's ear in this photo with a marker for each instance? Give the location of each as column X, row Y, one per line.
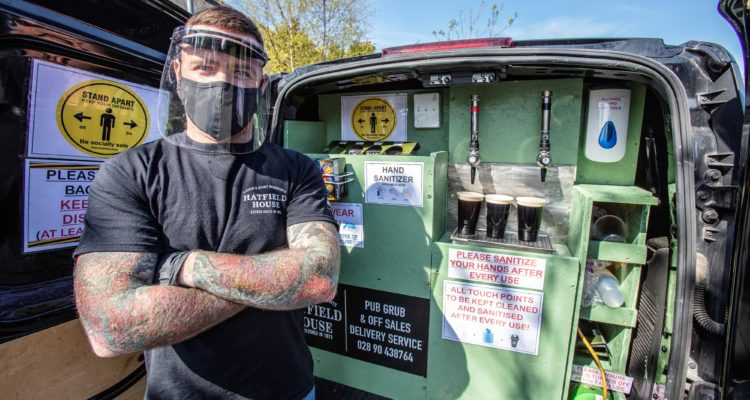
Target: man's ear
column 264, row 83
column 176, row 68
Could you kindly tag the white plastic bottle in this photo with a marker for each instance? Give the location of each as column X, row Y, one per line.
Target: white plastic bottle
column 608, row 288
column 607, row 125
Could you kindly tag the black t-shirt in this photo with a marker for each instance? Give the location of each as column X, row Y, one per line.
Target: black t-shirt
column 160, row 197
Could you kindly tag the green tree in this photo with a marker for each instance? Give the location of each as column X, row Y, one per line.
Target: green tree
column 301, row 32
column 468, row 25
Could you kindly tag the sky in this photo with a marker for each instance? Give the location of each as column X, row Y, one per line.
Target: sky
column 401, row 22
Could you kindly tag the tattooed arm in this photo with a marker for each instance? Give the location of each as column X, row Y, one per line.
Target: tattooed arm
column 305, row 274
column 122, row 312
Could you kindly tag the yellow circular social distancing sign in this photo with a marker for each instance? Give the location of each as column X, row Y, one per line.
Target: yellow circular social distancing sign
column 102, row 118
column 373, row 119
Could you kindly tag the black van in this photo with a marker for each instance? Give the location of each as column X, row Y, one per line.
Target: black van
column 638, row 148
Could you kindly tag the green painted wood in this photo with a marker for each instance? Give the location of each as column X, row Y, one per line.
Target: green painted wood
column 617, row 194
column 632, row 204
column 396, row 258
column 619, row 252
column 579, row 230
column 510, row 120
column 372, row 378
column 305, row 136
column 430, row 140
column 396, row 253
column 623, row 171
column 466, row 371
column 622, row 316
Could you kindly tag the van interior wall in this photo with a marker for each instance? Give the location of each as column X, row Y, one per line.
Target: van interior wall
column 509, row 134
column 509, row 127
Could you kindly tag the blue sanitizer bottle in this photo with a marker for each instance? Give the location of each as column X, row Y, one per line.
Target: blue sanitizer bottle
column 489, row 337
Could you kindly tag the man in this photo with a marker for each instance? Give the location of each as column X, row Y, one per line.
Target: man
column 236, row 230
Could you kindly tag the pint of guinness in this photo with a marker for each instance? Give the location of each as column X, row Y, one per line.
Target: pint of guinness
column 498, row 207
column 469, row 204
column 529, row 217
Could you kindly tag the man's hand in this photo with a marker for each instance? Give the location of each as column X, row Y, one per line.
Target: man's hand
column 305, row 274
column 122, row 312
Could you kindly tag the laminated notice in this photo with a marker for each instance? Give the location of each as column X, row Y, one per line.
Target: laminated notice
column 505, row 269
column 55, row 202
column 351, row 225
column 504, row 318
column 398, row 183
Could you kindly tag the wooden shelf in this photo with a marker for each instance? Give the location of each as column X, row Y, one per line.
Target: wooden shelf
column 587, row 361
column 621, row 316
column 632, row 205
column 619, row 252
column 618, row 194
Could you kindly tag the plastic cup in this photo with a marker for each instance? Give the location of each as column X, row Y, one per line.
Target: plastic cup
column 529, row 217
column 498, row 207
column 609, row 228
column 469, row 204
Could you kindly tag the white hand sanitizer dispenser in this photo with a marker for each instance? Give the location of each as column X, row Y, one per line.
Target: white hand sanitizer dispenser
column 607, row 125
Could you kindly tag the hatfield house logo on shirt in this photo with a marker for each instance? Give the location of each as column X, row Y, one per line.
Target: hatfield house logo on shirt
column 265, row 199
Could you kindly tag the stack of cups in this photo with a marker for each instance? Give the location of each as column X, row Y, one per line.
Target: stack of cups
column 498, row 207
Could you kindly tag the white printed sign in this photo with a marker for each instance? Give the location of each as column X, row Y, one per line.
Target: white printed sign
column 351, row 225
column 398, row 184
column 55, row 202
column 490, row 316
column 592, row 376
column 527, row 272
column 76, row 114
column 374, row 118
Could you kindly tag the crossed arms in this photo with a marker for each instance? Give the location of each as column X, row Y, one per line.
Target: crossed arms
column 122, row 311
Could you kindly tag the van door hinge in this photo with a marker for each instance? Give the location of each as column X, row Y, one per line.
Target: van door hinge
column 716, row 196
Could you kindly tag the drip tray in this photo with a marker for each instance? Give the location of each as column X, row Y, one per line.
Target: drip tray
column 543, row 242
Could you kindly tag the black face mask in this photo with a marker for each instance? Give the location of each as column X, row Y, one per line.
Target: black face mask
column 219, row 109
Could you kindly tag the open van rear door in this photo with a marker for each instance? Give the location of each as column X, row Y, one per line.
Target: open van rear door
column 737, row 364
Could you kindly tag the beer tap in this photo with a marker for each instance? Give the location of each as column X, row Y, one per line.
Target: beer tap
column 544, row 159
column 473, row 158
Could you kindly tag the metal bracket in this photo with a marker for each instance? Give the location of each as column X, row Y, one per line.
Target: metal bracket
column 711, row 193
column 711, row 234
column 440, row 80
column 724, row 162
column 716, row 196
column 720, row 92
column 483, row 77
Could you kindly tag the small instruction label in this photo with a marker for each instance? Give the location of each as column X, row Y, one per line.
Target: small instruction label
column 592, row 376
column 508, row 319
column 526, row 272
column 398, row 184
column 351, row 227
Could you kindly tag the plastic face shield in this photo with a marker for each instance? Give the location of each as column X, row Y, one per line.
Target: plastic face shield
column 213, row 91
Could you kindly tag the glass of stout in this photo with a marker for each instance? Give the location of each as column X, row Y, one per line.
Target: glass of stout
column 498, row 207
column 529, row 217
column 469, row 204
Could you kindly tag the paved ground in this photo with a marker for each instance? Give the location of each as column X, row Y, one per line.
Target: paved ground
column 327, row 390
